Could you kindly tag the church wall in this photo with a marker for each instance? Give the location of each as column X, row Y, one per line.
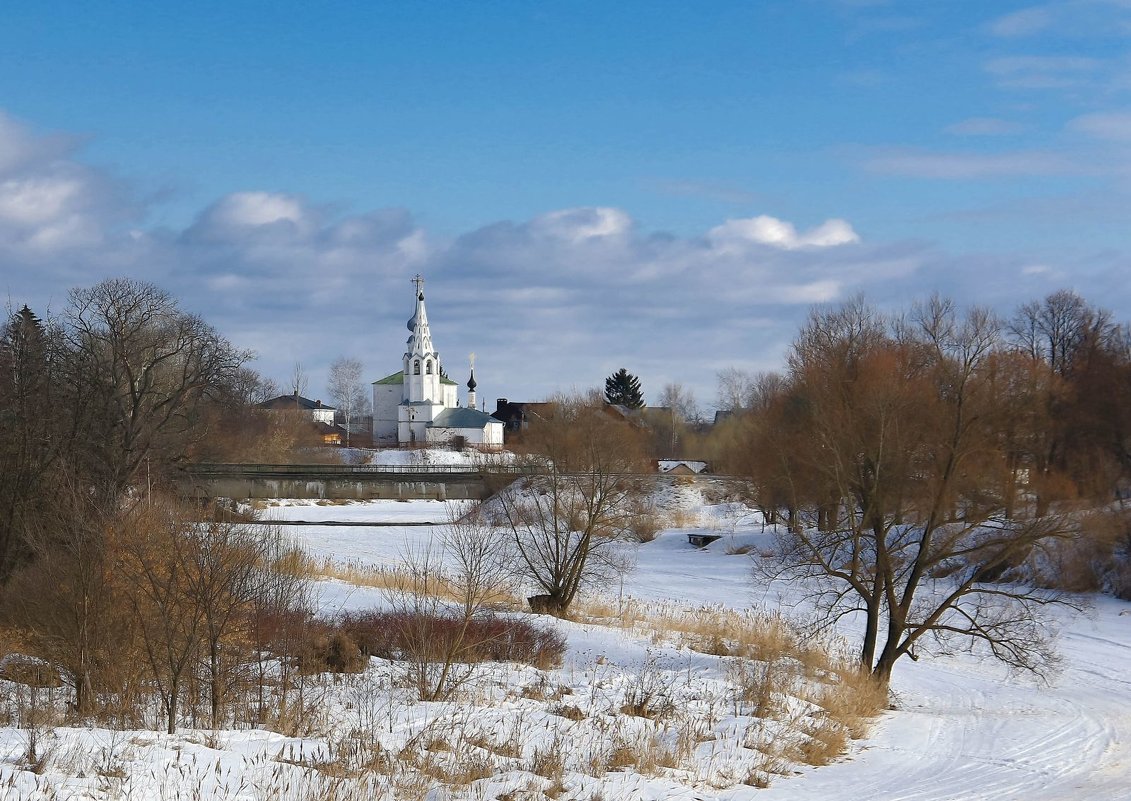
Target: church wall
column 386, row 399
column 488, row 435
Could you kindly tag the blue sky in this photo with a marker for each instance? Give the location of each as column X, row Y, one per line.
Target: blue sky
column 663, row 186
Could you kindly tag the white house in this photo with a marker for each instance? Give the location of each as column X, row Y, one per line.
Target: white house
column 318, row 412
column 420, row 404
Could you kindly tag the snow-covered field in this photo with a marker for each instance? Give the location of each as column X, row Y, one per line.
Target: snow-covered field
column 963, row 728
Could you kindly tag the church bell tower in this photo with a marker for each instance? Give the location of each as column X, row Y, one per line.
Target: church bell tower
column 421, row 361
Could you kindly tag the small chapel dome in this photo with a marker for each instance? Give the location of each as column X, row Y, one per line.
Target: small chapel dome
column 471, row 382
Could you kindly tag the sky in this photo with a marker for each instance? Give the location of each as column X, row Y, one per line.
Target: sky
column 667, row 187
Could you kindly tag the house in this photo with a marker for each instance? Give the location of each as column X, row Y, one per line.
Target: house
column 419, row 404
column 317, row 412
column 516, row 416
column 331, row 435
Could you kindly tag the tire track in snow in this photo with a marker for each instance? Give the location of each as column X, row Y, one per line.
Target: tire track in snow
column 965, row 729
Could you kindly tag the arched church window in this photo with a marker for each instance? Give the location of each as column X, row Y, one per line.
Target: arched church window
column 416, row 367
column 428, row 367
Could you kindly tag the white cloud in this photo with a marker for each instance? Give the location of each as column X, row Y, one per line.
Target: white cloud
column 37, row 200
column 1025, row 22
column 54, row 205
column 259, row 208
column 1042, row 72
column 263, row 215
column 965, row 166
column 984, row 126
column 550, row 302
column 20, row 147
column 1112, row 126
column 583, row 223
column 766, row 230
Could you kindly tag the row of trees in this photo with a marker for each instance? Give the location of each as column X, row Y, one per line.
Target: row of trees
column 145, row 601
column 108, row 398
column 918, row 460
column 120, row 588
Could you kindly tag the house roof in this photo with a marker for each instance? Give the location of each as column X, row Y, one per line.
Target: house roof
column 463, row 418
column 295, row 401
column 511, row 411
column 668, row 465
column 398, row 378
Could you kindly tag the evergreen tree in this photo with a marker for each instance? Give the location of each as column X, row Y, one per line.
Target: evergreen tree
column 623, row 389
column 28, row 446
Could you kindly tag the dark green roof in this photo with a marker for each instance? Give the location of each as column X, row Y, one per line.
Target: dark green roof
column 463, row 418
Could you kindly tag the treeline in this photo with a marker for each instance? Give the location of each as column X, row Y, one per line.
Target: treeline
column 122, row 591
column 942, row 414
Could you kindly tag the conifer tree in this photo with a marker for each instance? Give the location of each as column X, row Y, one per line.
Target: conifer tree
column 623, row 389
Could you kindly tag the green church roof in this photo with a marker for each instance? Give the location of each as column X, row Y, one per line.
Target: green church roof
column 398, row 378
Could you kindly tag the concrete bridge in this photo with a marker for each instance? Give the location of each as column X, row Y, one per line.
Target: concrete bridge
column 341, row 482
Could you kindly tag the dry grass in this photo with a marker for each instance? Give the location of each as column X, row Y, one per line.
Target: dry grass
column 773, row 659
column 824, row 740
column 682, row 518
column 396, row 579
column 714, row 630
column 853, row 701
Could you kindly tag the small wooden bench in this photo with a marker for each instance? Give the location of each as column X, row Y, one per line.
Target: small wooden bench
column 702, row 540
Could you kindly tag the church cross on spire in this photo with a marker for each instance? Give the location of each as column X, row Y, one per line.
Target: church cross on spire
column 418, row 279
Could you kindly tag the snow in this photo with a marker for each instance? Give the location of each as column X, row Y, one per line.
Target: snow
column 962, row 727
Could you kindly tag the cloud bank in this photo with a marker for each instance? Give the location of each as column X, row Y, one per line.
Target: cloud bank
column 554, row 302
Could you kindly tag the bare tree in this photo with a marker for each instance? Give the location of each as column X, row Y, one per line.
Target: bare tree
column 568, row 522
column 159, row 561
column 139, row 370
column 896, row 440
column 67, row 598
column 346, row 390
column 224, row 563
column 682, row 411
column 299, row 379
column 441, row 590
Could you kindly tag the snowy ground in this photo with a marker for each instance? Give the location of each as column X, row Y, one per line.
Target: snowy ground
column 963, row 728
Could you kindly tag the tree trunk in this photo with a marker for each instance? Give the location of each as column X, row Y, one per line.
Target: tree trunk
column 171, row 705
column 214, row 680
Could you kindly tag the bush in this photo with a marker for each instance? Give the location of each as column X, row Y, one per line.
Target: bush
column 331, row 651
column 489, row 638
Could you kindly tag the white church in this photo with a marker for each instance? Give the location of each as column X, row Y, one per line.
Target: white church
column 420, row 405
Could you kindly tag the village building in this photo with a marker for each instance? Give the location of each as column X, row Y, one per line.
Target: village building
column 320, row 415
column 420, row 403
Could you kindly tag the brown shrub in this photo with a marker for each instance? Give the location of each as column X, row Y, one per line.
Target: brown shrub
column 490, row 638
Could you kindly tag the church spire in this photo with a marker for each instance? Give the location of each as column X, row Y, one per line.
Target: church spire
column 471, row 384
column 422, row 369
column 421, row 340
